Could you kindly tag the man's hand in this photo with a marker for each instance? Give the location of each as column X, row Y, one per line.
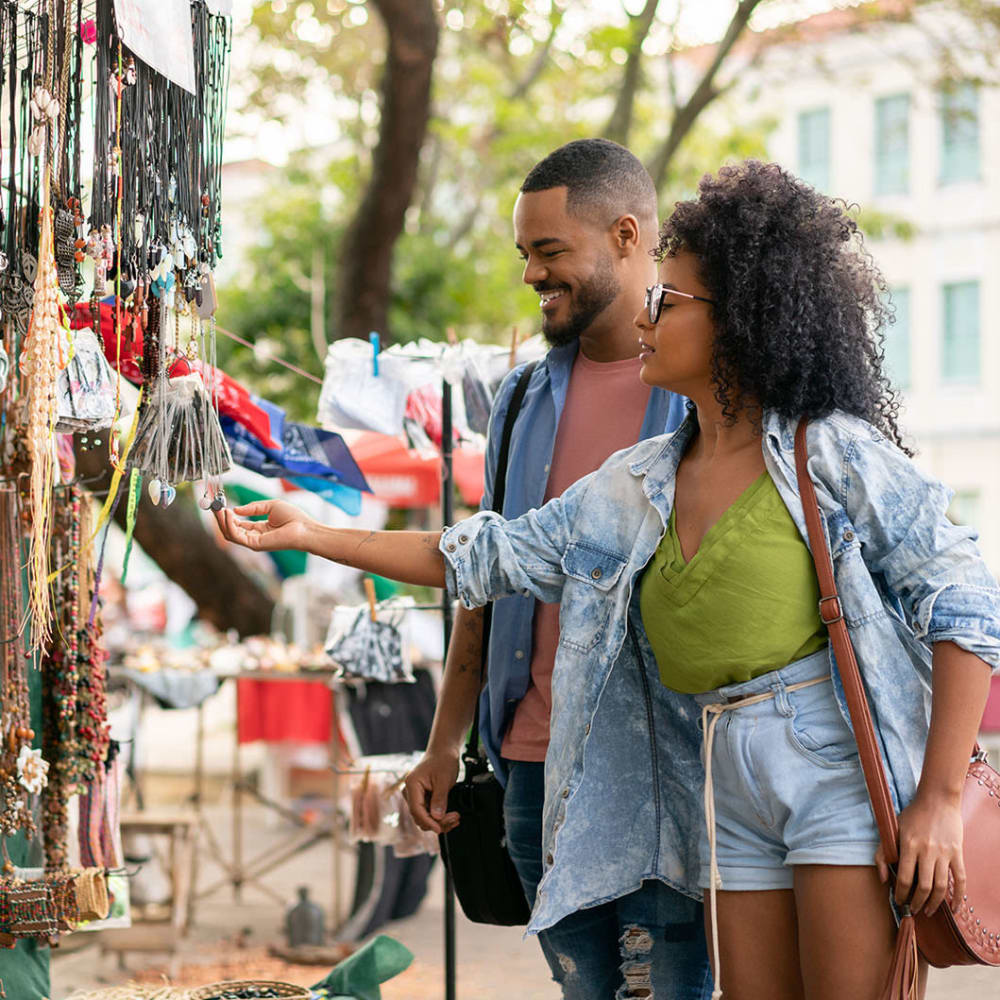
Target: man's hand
column 427, row 788
column 286, row 526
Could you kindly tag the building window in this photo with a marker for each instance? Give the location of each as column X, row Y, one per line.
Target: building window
column 964, row 508
column 892, row 144
column 960, row 344
column 897, row 340
column 814, row 148
column 959, row 133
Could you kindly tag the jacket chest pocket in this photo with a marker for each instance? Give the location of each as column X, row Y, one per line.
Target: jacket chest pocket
column 591, row 575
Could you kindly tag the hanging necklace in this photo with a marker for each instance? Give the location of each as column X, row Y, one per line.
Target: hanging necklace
column 22, row 772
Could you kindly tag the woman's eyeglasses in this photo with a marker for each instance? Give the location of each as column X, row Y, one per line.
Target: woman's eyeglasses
column 656, row 296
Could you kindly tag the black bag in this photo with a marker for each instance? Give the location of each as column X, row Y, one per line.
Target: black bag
column 475, row 852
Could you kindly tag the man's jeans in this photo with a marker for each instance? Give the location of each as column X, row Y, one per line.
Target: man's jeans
column 649, row 944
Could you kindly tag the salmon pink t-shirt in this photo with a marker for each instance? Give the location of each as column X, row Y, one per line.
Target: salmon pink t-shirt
column 604, row 410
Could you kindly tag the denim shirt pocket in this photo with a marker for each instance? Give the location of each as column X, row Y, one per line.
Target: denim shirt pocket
column 592, row 572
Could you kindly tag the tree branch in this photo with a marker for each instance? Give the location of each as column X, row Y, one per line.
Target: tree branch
column 703, row 95
column 620, row 123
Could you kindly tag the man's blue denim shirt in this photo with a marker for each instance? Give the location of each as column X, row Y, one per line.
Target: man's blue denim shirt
column 532, row 441
column 623, row 773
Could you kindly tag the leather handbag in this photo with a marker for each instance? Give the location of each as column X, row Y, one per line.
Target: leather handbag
column 475, row 852
column 971, row 934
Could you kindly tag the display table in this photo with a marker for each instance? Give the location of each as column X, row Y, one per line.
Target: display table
column 168, row 934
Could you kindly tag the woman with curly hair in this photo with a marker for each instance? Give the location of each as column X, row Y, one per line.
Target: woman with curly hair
column 685, row 580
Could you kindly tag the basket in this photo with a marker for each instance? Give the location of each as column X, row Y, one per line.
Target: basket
column 251, row 989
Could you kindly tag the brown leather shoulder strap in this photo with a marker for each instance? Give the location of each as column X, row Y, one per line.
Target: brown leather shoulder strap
column 832, row 614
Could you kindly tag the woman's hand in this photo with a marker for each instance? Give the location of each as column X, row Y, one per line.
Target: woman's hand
column 286, row 526
column 931, row 834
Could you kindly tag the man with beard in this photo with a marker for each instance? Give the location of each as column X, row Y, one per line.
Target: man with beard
column 584, row 225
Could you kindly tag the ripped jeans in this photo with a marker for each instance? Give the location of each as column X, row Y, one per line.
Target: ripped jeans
column 649, row 944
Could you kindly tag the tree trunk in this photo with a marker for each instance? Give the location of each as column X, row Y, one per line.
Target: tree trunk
column 177, row 540
column 365, row 267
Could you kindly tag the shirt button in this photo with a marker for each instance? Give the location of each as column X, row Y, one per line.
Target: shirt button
column 463, row 539
column 548, row 859
column 586, row 729
column 565, row 793
column 547, row 467
column 518, row 654
column 596, row 573
column 848, row 536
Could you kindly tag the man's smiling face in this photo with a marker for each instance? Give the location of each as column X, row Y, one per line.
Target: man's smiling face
column 568, row 262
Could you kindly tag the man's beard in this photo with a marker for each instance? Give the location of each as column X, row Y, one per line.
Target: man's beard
column 589, row 301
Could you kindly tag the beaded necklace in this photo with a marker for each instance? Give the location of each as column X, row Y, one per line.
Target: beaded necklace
column 59, row 665
column 17, row 734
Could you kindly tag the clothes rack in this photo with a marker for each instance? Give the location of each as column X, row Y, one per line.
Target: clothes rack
column 447, row 516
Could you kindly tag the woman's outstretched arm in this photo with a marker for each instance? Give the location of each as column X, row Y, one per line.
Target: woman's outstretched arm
column 407, row 556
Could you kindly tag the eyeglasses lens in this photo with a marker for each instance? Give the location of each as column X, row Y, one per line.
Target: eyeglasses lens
column 654, row 302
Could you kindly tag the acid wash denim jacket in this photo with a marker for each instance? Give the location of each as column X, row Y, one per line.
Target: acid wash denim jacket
column 623, row 775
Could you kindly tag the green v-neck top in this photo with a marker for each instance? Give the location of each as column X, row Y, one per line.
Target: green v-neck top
column 746, row 603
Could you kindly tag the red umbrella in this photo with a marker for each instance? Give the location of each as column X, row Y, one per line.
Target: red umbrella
column 404, row 478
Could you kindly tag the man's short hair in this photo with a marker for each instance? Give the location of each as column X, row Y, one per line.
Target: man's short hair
column 602, row 179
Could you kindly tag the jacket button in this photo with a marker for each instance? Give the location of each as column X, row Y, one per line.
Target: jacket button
column 548, row 859
column 848, row 536
column 586, row 729
column 463, row 539
column 450, row 547
column 565, row 793
column 596, row 573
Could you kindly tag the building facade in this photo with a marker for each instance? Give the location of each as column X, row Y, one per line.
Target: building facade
column 900, row 117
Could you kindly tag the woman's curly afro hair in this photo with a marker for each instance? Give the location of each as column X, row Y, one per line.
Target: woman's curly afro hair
column 799, row 303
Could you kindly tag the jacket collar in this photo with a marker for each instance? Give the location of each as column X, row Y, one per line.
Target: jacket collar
column 659, row 464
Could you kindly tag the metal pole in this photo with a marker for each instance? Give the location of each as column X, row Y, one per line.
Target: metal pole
column 447, row 516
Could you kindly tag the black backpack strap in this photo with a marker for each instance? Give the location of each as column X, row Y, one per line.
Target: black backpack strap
column 499, row 493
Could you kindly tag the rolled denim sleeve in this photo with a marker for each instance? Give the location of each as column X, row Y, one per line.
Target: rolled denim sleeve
column 931, row 564
column 487, row 557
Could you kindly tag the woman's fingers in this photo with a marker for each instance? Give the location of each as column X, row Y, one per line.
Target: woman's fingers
column 958, row 872
column 904, row 875
column 883, row 868
column 237, row 531
column 254, row 508
column 924, row 879
column 941, row 870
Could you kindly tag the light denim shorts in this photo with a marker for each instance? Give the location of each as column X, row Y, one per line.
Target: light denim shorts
column 788, row 783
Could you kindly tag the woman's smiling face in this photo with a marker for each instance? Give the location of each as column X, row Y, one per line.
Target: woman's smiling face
column 676, row 351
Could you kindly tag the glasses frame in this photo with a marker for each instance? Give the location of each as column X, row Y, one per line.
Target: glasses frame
column 656, row 295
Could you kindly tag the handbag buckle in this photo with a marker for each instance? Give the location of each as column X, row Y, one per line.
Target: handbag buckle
column 838, row 614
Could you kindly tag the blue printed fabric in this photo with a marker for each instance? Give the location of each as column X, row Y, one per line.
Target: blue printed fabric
column 305, row 451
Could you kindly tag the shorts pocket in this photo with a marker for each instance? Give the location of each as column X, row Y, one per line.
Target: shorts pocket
column 817, row 730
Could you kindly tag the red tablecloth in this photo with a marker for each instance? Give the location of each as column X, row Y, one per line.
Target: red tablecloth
column 991, row 718
column 284, row 711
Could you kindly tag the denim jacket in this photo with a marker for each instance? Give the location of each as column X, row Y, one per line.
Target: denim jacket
column 623, row 776
column 531, row 444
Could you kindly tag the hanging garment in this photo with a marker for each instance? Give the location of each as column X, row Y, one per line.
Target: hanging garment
column 303, row 451
column 388, row 718
column 353, row 395
column 371, row 650
column 85, row 390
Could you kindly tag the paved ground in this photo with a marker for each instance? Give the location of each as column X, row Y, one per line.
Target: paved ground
column 493, row 962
